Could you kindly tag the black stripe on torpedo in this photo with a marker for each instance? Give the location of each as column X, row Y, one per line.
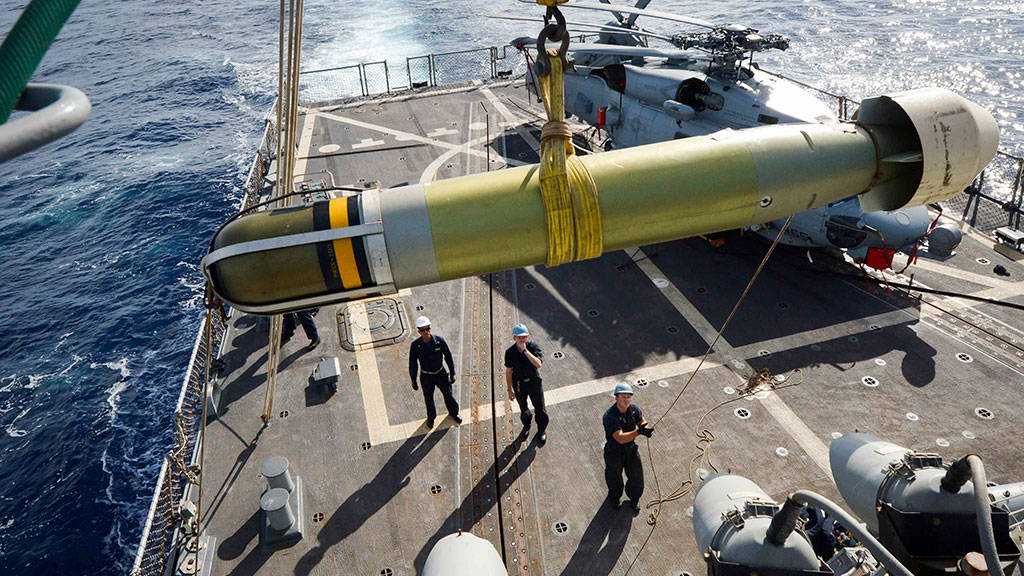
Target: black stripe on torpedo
column 358, row 244
column 325, row 250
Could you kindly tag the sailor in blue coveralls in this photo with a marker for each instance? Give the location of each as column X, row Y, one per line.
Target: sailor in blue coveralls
column 429, row 351
column 623, row 422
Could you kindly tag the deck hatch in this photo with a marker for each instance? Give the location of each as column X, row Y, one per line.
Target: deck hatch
column 386, row 322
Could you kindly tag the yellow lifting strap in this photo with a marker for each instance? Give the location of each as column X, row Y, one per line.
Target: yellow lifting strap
column 551, row 2
column 569, row 193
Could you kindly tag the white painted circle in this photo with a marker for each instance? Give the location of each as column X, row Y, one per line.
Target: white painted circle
column 853, row 339
column 869, row 381
column 328, row 148
column 879, row 362
column 837, row 435
column 984, row 413
column 912, row 417
column 741, row 413
column 661, row 283
column 782, row 451
column 964, row 357
column 663, row 383
column 780, row 378
column 729, row 390
column 968, row 435
column 764, row 353
column 816, row 347
column 983, row 261
column 942, row 442
column 738, row 365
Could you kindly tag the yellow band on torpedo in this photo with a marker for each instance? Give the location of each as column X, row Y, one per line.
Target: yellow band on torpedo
column 343, row 252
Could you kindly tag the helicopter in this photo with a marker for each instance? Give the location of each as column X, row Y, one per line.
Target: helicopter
column 706, row 82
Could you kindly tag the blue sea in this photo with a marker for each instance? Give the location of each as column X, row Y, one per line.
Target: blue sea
column 101, row 232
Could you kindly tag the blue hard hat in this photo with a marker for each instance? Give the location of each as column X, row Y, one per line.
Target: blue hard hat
column 623, row 388
column 520, row 330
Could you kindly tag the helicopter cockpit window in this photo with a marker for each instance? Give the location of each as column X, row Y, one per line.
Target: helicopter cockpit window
column 614, row 76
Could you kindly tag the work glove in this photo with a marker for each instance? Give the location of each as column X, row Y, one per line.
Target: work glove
column 645, row 431
column 451, row 378
column 415, row 386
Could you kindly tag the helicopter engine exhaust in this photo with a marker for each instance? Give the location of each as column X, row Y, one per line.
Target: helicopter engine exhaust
column 906, row 149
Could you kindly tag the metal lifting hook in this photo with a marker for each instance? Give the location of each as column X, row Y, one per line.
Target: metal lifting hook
column 556, row 32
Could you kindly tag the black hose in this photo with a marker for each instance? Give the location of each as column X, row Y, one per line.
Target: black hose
column 956, row 476
column 783, row 523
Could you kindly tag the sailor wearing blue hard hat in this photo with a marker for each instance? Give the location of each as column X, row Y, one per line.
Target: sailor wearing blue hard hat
column 623, row 422
column 522, row 359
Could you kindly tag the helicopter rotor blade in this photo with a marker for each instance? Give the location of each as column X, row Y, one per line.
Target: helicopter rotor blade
column 640, row 4
column 638, row 11
column 582, row 25
column 618, row 15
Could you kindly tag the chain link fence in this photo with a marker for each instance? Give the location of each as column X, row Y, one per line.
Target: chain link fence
column 425, row 71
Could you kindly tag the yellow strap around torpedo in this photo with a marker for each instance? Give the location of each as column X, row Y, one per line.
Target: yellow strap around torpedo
column 569, row 193
column 551, row 2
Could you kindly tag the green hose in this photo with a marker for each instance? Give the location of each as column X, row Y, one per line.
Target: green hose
column 25, row 46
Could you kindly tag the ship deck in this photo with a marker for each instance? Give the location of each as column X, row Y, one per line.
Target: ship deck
column 380, row 488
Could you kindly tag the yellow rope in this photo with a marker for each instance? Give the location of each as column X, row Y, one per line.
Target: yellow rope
column 570, row 195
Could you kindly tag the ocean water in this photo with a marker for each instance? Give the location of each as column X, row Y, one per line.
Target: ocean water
column 101, row 232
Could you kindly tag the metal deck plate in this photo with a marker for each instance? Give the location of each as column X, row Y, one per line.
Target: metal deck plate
column 386, row 323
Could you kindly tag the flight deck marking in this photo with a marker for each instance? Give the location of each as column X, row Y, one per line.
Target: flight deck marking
column 510, row 117
column 954, row 273
column 382, row 431
column 408, row 136
column 793, row 341
column 367, row 143
column 779, row 410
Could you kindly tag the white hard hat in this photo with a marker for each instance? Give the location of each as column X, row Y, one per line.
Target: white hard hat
column 422, row 321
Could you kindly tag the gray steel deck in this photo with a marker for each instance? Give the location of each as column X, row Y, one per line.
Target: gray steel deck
column 645, row 316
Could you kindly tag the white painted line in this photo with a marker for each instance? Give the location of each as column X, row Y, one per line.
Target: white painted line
column 367, row 143
column 831, row 332
column 788, row 419
column 706, row 330
column 409, row 137
column 512, row 119
column 438, row 132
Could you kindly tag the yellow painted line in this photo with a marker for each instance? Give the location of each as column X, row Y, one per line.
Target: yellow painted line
column 369, row 382
column 596, row 387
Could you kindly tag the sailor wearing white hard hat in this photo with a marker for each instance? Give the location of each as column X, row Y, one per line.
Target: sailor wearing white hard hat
column 429, row 351
column 623, row 422
column 522, row 359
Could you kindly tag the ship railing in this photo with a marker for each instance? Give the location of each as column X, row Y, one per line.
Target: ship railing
column 419, row 72
column 179, row 470
column 994, row 200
